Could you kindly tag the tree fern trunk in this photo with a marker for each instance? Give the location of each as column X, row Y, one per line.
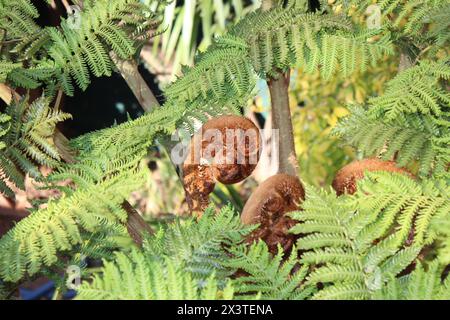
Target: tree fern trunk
column 281, row 115
column 281, row 120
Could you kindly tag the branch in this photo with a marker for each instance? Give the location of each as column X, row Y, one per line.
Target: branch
column 129, row 71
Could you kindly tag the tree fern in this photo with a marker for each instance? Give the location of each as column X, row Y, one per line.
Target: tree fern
column 357, row 243
column 409, row 122
column 26, row 140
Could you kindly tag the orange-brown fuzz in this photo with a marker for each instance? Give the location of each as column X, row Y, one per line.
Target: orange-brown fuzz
column 268, row 206
column 346, row 178
column 199, row 178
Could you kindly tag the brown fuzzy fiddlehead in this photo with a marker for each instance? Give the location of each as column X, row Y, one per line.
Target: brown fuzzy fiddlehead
column 347, row 177
column 268, row 205
column 226, row 149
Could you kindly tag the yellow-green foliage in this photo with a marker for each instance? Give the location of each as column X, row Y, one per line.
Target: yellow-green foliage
column 316, row 107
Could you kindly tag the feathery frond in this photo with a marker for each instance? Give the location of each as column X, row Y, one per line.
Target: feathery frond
column 272, row 277
column 424, row 283
column 201, row 247
column 136, row 277
column 26, row 141
column 35, row 242
column 409, row 122
column 77, row 48
column 357, row 243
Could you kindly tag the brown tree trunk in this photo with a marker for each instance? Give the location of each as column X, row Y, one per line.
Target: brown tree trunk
column 281, row 115
column 281, row 121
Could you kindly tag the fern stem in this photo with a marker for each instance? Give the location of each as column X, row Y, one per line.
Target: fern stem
column 129, row 71
column 136, row 226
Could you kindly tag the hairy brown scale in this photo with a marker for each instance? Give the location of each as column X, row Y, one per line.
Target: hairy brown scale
column 268, row 205
column 210, row 159
column 346, row 178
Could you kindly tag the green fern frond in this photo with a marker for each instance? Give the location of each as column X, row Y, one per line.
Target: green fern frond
column 74, row 50
column 412, row 139
column 416, row 90
column 398, row 198
column 410, row 121
column 201, row 246
column 218, row 66
column 424, row 283
column 6, row 67
column 136, row 277
column 35, row 242
column 440, row 226
column 130, row 138
column 424, row 22
column 17, row 18
column 26, row 137
column 356, row 244
column 283, row 38
column 272, row 277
